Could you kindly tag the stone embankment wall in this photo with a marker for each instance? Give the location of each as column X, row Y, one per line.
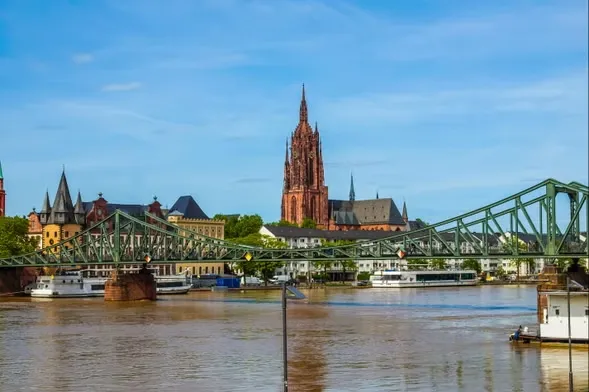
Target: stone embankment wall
column 130, row 287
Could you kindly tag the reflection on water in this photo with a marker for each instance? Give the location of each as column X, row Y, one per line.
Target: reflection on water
column 451, row 339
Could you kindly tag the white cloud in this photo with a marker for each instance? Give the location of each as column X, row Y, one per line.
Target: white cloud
column 122, row 86
column 564, row 95
column 82, row 58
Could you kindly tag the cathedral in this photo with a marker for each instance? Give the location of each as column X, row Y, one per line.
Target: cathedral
column 305, row 195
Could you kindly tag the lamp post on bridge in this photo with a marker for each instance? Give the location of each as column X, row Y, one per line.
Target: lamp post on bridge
column 296, row 294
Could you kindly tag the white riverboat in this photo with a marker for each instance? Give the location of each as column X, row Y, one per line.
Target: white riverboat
column 434, row 278
column 66, row 284
column 172, row 284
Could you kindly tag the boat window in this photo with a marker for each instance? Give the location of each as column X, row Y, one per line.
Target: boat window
column 587, row 312
column 557, row 312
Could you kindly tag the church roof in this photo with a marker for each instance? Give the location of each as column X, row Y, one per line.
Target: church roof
column 62, row 204
column 189, row 208
column 365, row 212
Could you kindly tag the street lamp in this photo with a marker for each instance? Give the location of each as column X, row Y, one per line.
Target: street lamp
column 295, row 294
column 569, row 325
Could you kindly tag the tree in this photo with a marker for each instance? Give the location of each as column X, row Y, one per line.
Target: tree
column 510, row 245
column 13, row 237
column 265, row 269
column 309, row 223
column 416, row 264
column 348, row 266
column 283, row 223
column 438, row 264
column 472, row 264
column 239, row 226
column 421, row 222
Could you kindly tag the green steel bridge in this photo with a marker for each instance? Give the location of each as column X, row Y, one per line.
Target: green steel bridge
column 548, row 220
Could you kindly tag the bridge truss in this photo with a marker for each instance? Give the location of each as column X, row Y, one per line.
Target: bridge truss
column 548, row 220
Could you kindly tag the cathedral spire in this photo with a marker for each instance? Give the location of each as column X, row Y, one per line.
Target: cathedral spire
column 377, row 194
column 286, row 156
column 352, row 192
column 303, row 116
column 404, row 215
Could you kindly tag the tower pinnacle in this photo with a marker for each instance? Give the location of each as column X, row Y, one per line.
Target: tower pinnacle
column 303, row 116
column 352, row 192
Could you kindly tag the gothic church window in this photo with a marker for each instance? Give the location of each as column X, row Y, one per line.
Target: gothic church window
column 293, row 209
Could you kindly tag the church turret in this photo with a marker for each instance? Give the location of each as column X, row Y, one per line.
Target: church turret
column 63, row 208
column 45, row 210
column 79, row 212
column 352, row 192
column 404, row 214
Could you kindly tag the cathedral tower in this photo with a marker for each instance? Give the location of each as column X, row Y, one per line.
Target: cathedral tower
column 304, row 194
column 2, row 194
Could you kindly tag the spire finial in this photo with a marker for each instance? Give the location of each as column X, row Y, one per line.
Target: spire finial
column 1, row 176
column 303, row 117
column 352, row 192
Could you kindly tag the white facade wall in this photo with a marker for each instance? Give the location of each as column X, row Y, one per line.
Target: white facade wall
column 555, row 323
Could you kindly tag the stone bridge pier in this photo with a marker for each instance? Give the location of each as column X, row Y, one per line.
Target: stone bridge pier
column 14, row 279
column 131, row 286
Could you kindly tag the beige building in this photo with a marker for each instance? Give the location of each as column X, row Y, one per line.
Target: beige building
column 187, row 214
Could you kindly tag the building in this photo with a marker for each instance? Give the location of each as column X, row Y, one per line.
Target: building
column 297, row 237
column 305, row 195
column 2, row 194
column 35, row 228
column 187, row 214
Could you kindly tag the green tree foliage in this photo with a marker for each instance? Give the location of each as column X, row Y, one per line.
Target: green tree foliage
column 416, row 264
column 422, row 222
column 472, row 264
column 348, row 266
column 309, row 223
column 283, row 223
column 263, row 269
column 239, row 226
column 13, row 237
column 510, row 245
column 438, row 264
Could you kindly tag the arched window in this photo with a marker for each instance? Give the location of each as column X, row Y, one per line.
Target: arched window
column 293, row 209
column 313, row 213
column 311, row 172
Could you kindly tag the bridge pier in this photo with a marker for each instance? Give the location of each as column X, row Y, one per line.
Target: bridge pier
column 130, row 287
column 14, row 279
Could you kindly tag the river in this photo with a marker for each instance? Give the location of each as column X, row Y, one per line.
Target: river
column 447, row 339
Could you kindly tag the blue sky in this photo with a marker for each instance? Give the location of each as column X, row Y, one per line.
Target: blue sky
column 449, row 105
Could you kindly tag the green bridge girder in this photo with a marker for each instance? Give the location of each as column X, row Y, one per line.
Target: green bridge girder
column 524, row 225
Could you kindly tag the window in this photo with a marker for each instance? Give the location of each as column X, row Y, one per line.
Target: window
column 587, row 312
column 557, row 312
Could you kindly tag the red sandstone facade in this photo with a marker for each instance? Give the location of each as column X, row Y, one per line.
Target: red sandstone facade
column 304, row 194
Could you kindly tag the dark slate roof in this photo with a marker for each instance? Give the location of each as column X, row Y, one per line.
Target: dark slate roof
column 365, row 212
column 416, row 225
column 189, row 208
column 298, row 232
column 131, row 209
column 62, row 204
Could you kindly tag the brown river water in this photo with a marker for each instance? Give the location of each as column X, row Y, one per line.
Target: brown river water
column 447, row 339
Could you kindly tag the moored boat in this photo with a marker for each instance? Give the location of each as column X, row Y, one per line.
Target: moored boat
column 432, row 278
column 66, row 284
